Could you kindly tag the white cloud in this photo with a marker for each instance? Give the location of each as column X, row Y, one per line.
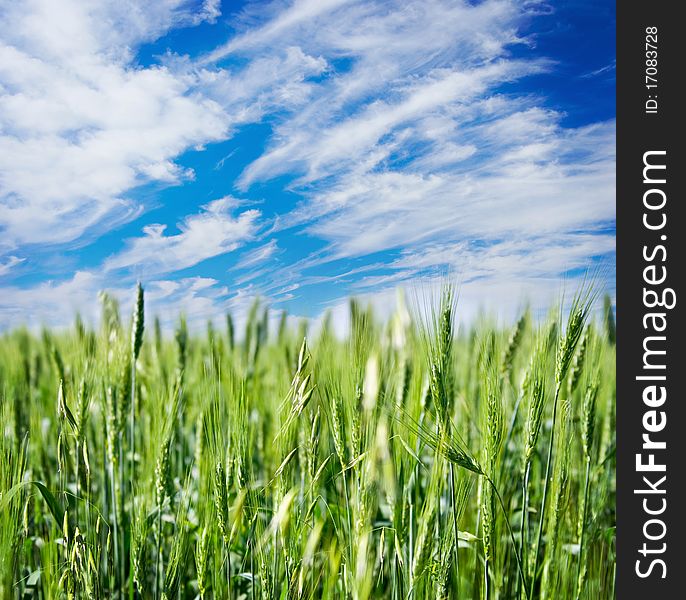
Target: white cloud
column 53, row 303
column 515, row 260
column 345, row 142
column 199, row 298
column 9, row 263
column 211, row 232
column 517, row 190
column 80, row 123
column 404, row 61
column 258, row 255
column 265, row 84
column 301, row 11
column 541, row 256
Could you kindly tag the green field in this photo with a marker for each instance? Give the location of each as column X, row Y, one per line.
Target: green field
column 408, row 460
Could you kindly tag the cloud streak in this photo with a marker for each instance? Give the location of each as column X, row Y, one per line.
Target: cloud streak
column 211, row 232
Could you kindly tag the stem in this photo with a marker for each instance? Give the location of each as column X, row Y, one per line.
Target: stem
column 457, row 537
column 132, row 439
column 545, row 489
column 410, row 549
column 579, row 582
column 513, row 421
column 159, row 550
column 78, row 479
column 350, row 526
column 311, row 567
column 228, row 568
column 477, row 528
column 524, row 533
column 486, row 590
column 509, row 529
column 132, row 467
column 275, row 564
column 122, row 500
column 252, row 569
column 116, row 520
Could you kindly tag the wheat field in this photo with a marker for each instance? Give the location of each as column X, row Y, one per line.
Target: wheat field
column 407, row 460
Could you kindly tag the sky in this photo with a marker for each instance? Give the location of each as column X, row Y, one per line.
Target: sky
column 302, row 151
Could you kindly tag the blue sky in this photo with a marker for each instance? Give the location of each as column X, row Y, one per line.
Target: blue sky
column 302, row 151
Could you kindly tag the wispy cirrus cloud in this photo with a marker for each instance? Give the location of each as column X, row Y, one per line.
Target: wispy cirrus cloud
column 10, row 262
column 523, row 190
column 321, row 153
column 211, row 232
column 402, row 64
column 283, row 21
column 258, row 255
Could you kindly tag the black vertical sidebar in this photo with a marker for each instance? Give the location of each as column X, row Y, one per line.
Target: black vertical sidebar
column 649, row 120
